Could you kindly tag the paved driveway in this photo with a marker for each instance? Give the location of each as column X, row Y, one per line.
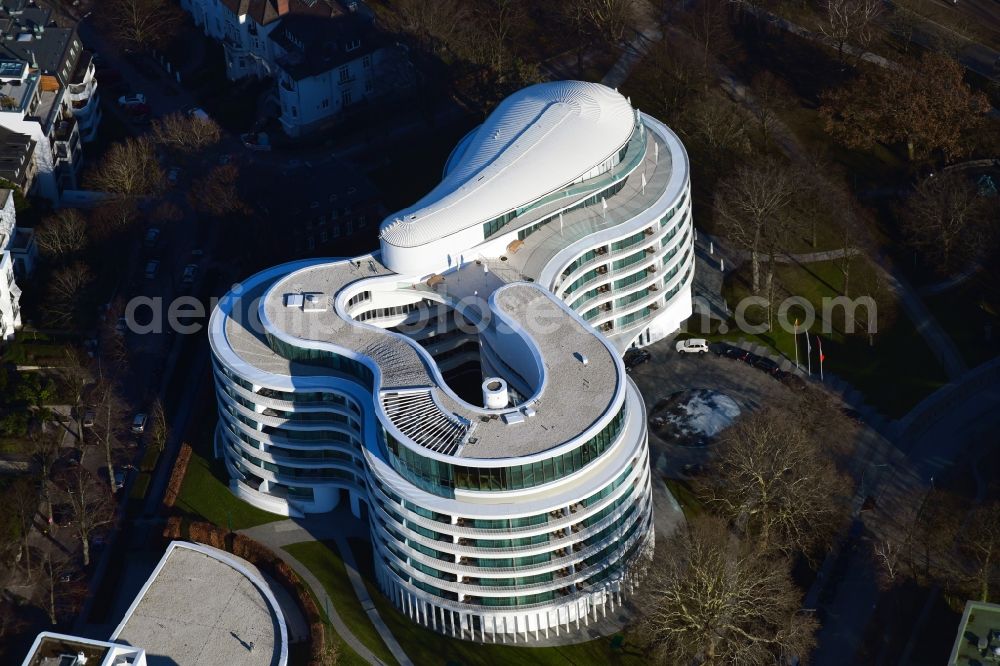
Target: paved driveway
column 668, row 372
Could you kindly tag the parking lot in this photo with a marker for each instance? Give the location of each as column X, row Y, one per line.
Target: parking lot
column 667, row 372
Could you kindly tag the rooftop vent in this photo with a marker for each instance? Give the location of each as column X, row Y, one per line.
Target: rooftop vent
column 580, row 356
column 313, row 302
column 294, row 300
column 511, row 418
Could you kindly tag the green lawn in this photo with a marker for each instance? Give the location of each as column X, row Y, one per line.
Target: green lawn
column 429, row 648
column 893, row 375
column 299, row 653
column 324, row 560
column 685, row 496
column 205, row 495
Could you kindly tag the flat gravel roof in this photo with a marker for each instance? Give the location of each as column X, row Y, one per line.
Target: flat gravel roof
column 198, row 610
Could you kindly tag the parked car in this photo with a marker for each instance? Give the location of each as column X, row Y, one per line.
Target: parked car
column 190, row 273
column 173, row 174
column 729, row 351
column 692, row 346
column 119, row 477
column 852, row 414
column 152, row 237
column 198, row 113
column 130, row 100
column 793, row 381
column 634, row 357
column 151, row 269
column 256, row 141
column 89, row 415
column 139, row 423
column 765, row 364
column 62, row 515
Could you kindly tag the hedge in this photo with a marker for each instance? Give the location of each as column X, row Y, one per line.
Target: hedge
column 177, row 476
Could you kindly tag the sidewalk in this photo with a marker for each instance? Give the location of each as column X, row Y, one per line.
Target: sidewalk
column 330, row 527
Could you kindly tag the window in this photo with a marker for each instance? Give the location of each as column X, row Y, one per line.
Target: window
column 352, row 45
column 366, row 61
column 345, row 97
column 369, row 85
column 326, row 103
column 345, row 74
column 295, row 112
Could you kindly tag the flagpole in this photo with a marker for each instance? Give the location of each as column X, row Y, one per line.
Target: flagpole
column 819, row 343
column 796, row 339
column 809, row 355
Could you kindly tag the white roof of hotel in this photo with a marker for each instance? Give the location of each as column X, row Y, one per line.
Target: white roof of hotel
column 536, row 141
column 575, row 396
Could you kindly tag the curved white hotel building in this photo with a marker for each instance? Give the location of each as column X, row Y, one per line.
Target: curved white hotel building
column 463, row 387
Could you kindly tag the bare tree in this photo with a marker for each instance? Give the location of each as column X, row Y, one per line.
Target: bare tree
column 90, row 504
column 436, row 25
column 129, row 170
column 720, row 127
column 671, row 82
column 160, row 429
column 979, row 547
column 850, row 21
column 44, row 450
column 710, row 600
column 888, row 554
column 708, row 23
column 770, row 95
column 752, row 206
column 218, row 192
column 608, row 20
column 186, row 133
column 497, row 20
column 110, row 415
column 140, row 24
column 776, row 484
column 52, row 570
column 947, row 221
column 74, row 376
column 64, row 233
column 66, row 290
column 22, row 500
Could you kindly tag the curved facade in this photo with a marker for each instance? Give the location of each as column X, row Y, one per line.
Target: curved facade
column 521, row 505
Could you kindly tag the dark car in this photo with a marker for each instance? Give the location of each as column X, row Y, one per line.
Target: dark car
column 852, row 414
column 634, row 357
column 765, row 364
column 728, row 351
column 793, row 381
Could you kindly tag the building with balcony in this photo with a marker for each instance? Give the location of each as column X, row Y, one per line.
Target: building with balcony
column 455, row 387
column 17, row 259
column 326, row 56
column 17, row 159
column 48, row 92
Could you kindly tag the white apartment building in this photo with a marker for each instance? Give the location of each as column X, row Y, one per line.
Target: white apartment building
column 17, row 257
column 463, row 388
column 48, row 91
column 325, row 56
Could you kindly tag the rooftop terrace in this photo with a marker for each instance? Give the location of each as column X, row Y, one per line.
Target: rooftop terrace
column 575, row 394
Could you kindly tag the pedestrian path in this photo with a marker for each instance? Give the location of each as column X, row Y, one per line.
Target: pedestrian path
column 282, row 533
